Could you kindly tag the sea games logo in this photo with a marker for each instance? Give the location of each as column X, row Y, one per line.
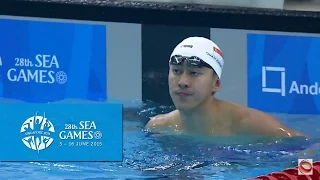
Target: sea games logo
column 37, row 132
column 43, row 69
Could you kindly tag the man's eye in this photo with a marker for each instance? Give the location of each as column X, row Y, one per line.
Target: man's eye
column 176, row 71
column 194, row 73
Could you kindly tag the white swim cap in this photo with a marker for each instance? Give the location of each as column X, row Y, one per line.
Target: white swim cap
column 203, row 48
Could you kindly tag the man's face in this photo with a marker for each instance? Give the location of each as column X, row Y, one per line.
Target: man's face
column 191, row 86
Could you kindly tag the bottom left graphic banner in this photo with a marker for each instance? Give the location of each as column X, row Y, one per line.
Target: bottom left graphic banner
column 61, row 132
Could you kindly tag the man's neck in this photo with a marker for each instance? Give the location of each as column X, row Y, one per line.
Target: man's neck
column 199, row 118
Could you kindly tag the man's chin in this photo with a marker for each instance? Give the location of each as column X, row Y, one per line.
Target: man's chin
column 184, row 107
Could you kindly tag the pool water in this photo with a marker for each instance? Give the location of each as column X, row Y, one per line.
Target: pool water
column 156, row 156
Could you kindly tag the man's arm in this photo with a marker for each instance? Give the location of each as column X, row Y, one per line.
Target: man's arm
column 265, row 124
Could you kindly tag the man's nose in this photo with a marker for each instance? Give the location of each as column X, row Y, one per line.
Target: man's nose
column 184, row 81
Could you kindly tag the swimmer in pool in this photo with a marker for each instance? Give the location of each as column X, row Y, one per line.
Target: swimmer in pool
column 196, row 66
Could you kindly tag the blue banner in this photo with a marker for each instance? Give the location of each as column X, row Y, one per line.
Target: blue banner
column 51, row 61
column 61, row 132
column 283, row 73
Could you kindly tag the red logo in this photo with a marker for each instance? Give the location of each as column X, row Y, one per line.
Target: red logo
column 218, row 51
column 305, row 167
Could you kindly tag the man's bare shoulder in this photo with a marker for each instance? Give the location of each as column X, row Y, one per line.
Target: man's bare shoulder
column 233, row 111
column 264, row 123
column 249, row 120
column 163, row 120
column 249, row 115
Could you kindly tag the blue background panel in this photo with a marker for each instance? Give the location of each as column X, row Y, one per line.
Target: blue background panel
column 50, row 61
column 299, row 55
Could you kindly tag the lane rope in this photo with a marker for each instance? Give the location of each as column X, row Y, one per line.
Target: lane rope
column 292, row 174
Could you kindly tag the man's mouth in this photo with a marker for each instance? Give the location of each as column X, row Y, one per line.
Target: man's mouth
column 183, row 94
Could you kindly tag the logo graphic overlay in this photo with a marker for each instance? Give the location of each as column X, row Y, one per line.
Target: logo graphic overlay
column 305, row 167
column 37, row 131
column 45, row 65
column 275, row 83
column 61, row 132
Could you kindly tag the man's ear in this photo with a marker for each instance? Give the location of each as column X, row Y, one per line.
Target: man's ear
column 216, row 84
